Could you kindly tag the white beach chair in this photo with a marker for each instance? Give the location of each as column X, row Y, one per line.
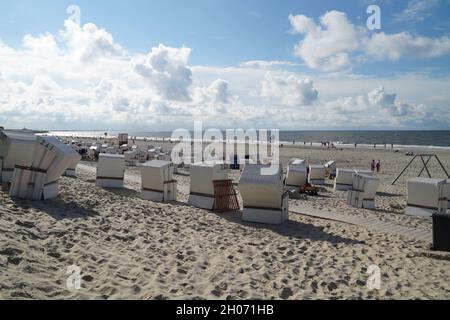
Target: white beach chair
column 316, row 175
column 110, row 150
column 15, row 149
column 152, row 153
column 123, row 138
column 163, row 156
column 202, row 187
column 426, row 196
column 110, row 170
column 71, row 169
column 297, row 174
column 130, row 158
column 363, row 192
column 40, row 180
column 157, row 181
column 344, row 179
column 330, row 168
column 369, row 173
column 264, row 196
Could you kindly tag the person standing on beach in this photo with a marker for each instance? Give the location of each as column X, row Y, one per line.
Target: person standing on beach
column 372, row 166
column 378, row 166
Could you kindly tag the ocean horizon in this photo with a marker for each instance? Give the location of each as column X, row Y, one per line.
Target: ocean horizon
column 341, row 138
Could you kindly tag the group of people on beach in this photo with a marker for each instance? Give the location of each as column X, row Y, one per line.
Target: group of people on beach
column 375, row 166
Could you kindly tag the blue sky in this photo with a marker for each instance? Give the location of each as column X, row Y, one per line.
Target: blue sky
column 221, row 32
column 224, row 34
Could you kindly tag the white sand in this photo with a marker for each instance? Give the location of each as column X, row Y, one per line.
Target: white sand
column 129, row 248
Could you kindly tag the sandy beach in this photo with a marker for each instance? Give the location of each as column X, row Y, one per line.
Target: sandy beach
column 130, row 248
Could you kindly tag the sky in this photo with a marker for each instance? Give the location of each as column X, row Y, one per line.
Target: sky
column 279, row 64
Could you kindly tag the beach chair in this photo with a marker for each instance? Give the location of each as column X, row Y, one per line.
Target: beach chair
column 330, row 169
column 363, row 192
column 123, row 138
column 130, row 158
column 344, row 179
column 264, row 196
column 151, row 154
column 110, row 171
column 40, row 180
column 203, row 176
column 297, row 175
column 316, row 175
column 426, row 196
column 16, row 148
column 71, row 169
column 157, row 181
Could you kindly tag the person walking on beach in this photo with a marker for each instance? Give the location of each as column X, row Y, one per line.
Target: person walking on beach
column 378, row 166
column 372, row 166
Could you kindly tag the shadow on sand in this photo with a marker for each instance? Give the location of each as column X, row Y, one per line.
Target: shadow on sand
column 57, row 208
column 291, row 228
column 388, row 195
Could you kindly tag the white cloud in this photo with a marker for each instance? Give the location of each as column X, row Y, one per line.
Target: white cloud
column 399, row 45
column 264, row 64
column 377, row 104
column 417, row 10
column 48, row 83
column 326, row 46
column 394, row 107
column 88, row 42
column 336, row 44
column 216, row 95
column 379, row 97
column 166, row 70
column 291, row 90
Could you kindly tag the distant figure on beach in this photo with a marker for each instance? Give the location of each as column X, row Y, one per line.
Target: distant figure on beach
column 356, row 145
column 374, row 145
column 304, row 143
column 372, row 166
column 392, row 146
column 378, row 165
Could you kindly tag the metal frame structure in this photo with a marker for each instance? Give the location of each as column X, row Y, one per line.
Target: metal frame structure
column 428, row 157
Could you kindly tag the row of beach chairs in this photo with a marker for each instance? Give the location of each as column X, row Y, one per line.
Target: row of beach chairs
column 34, row 165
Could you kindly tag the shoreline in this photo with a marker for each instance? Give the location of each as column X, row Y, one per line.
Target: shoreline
column 283, row 144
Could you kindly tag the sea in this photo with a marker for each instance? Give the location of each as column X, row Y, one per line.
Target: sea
column 362, row 139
